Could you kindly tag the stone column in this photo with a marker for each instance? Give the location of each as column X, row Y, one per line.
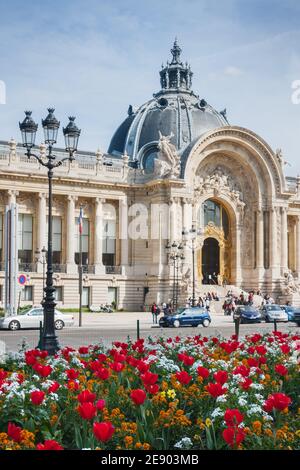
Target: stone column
column 259, row 239
column 71, row 266
column 187, row 225
column 284, row 240
column 42, row 222
column 98, row 236
column 298, row 246
column 123, row 231
column 273, row 238
column 238, row 234
column 172, row 220
column 12, row 196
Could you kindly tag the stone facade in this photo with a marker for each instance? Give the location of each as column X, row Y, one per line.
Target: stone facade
column 253, row 237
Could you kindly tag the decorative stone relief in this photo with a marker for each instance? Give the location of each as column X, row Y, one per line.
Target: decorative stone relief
column 291, row 286
column 167, row 165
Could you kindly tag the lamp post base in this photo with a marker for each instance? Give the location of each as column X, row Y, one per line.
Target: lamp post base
column 50, row 344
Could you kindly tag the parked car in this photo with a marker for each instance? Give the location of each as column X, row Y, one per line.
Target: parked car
column 292, row 312
column 32, row 317
column 273, row 312
column 190, row 316
column 247, row 314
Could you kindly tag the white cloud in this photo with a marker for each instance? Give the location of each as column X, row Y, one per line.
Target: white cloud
column 233, row 71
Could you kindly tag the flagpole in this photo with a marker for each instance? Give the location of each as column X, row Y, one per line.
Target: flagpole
column 80, row 267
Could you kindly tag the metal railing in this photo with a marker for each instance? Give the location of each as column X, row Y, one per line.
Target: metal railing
column 28, row 267
column 113, row 269
column 88, row 269
column 59, row 268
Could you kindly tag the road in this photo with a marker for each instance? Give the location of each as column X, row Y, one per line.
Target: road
column 120, row 326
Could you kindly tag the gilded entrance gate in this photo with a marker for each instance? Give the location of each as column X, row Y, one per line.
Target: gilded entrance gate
column 217, row 233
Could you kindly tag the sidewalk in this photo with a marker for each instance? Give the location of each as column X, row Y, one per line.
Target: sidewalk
column 121, row 320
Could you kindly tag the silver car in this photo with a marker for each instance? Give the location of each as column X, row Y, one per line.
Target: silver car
column 273, row 312
column 32, row 317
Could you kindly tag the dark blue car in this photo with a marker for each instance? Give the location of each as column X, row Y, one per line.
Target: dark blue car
column 247, row 314
column 190, row 316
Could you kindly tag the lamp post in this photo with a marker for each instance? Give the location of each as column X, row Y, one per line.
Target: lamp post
column 175, row 254
column 191, row 235
column 28, row 128
column 43, row 261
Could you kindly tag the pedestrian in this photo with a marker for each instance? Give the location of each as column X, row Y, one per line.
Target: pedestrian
column 153, row 311
column 207, row 304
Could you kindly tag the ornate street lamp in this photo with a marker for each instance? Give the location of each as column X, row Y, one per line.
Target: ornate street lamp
column 192, row 236
column 28, row 130
column 175, row 254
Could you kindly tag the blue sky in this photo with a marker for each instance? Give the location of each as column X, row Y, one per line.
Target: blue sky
column 93, row 58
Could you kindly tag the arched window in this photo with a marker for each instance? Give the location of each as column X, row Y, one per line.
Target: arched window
column 148, row 159
column 215, row 213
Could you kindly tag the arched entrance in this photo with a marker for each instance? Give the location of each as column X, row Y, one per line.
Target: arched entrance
column 214, row 256
column 210, row 261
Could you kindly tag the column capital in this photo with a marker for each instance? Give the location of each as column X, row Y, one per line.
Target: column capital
column 42, row 195
column 99, row 200
column 72, row 198
column 12, row 192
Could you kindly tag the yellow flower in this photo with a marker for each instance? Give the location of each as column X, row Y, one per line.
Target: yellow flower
column 171, row 394
column 208, row 422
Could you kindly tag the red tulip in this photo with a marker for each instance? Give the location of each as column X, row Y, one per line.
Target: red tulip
column 221, row 377
column 14, row 432
column 277, row 401
column 86, row 396
column 246, row 384
column 49, row 445
column 153, row 389
column 87, row 410
column 100, row 404
column 233, row 417
column 3, row 374
column 117, row 366
column 37, row 397
column 54, row 387
column 72, row 374
column 233, row 436
column 103, row 431
column 285, row 349
column 203, row 372
column 83, row 350
column 138, row 396
column 183, row 377
column 216, row 390
column 149, row 378
column 281, row 369
column 103, row 373
column 242, row 370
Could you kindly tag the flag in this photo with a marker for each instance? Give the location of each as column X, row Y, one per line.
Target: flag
column 80, row 221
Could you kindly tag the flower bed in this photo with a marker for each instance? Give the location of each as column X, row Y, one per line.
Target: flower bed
column 191, row 393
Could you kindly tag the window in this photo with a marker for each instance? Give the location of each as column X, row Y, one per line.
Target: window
column 148, row 160
column 109, row 243
column 56, row 239
column 58, row 294
column 112, row 295
column 85, row 296
column 25, row 238
column 214, row 213
column 84, row 239
column 27, row 293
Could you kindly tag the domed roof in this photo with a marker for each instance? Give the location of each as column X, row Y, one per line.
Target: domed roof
column 175, row 111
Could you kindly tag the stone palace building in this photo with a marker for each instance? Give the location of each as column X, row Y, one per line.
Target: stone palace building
column 176, row 152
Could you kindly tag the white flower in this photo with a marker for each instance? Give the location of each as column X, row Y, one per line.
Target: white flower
column 184, row 443
column 217, row 412
column 221, row 399
column 242, row 402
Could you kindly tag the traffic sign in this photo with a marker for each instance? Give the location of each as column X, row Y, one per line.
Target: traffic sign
column 22, row 279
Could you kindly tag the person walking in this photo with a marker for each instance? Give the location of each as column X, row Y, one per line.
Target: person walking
column 153, row 311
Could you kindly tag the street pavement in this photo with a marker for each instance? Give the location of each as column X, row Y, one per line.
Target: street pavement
column 109, row 327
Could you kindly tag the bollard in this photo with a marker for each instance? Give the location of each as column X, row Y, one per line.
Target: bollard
column 237, row 327
column 275, row 325
column 39, row 346
column 138, row 329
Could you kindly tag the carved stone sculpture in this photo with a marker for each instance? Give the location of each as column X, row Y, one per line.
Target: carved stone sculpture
column 167, row 165
column 291, row 286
